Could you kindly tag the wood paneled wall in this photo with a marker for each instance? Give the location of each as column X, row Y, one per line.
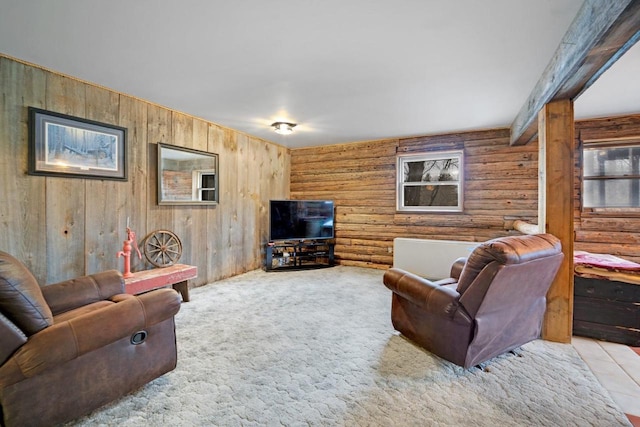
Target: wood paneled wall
column 500, row 186
column 598, row 232
column 65, row 227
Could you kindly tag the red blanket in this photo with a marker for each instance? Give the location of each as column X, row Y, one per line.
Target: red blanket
column 605, row 261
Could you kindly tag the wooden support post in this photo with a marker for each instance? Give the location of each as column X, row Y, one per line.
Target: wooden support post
column 556, row 142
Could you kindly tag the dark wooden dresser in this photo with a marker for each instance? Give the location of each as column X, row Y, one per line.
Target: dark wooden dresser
column 607, row 310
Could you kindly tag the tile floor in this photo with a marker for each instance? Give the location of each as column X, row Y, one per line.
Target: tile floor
column 617, row 367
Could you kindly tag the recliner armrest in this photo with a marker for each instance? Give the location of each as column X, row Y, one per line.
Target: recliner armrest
column 447, row 281
column 456, row 268
column 74, row 293
column 68, row 340
column 431, row 296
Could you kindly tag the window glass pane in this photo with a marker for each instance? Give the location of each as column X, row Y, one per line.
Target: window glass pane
column 209, row 195
column 431, row 195
column 208, row 181
column 431, row 171
column 591, row 163
column 611, row 161
column 612, row 193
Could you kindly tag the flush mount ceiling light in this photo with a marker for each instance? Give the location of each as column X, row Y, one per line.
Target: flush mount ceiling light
column 283, row 128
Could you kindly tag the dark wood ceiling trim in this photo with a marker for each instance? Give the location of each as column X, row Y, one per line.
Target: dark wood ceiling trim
column 602, row 31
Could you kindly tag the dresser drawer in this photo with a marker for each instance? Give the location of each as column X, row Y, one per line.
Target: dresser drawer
column 614, row 313
column 607, row 332
column 606, row 289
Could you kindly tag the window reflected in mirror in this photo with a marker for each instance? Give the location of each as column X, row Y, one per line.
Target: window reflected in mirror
column 186, row 176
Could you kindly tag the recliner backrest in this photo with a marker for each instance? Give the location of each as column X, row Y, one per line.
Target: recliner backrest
column 512, row 308
column 507, row 297
column 21, row 299
column 506, row 250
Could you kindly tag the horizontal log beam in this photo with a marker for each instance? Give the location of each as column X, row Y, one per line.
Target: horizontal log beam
column 602, row 32
column 526, row 227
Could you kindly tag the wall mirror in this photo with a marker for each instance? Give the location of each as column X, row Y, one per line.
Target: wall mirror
column 186, row 176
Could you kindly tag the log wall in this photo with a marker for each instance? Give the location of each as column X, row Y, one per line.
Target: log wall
column 616, row 234
column 65, row 227
column 500, row 186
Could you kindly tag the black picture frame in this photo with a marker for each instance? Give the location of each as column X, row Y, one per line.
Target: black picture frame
column 73, row 147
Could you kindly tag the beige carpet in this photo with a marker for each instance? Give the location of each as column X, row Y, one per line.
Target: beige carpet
column 317, row 348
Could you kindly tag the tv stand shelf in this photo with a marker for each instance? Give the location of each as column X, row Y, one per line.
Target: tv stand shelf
column 298, row 255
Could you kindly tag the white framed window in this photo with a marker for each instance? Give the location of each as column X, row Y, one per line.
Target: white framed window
column 611, row 175
column 430, row 182
column 204, row 185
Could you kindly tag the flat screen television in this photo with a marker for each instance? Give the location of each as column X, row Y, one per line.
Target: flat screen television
column 300, row 219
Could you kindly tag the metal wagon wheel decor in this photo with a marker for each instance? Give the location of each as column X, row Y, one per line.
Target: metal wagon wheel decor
column 162, row 248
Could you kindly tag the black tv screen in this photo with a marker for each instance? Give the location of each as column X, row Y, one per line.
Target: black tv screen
column 300, row 219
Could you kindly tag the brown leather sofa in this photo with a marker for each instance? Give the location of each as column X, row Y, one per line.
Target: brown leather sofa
column 493, row 303
column 69, row 348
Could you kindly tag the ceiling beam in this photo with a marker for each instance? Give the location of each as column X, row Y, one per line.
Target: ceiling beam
column 602, row 31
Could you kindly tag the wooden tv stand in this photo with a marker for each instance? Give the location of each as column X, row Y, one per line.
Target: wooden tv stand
column 297, row 255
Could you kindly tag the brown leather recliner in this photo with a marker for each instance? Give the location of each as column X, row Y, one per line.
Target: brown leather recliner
column 493, row 303
column 69, row 348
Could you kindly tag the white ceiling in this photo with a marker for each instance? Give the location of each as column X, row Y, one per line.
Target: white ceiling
column 344, row 70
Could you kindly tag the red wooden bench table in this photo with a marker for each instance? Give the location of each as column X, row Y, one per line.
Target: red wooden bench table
column 177, row 276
